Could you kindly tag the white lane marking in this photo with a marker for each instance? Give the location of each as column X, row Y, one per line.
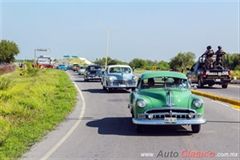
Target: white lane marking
column 222, row 103
column 48, row 154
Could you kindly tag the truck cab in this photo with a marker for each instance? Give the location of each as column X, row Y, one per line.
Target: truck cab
column 44, row 63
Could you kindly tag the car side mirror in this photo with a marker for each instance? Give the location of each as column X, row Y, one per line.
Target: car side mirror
column 191, row 85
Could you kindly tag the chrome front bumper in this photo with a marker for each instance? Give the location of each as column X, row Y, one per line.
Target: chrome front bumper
column 121, row 86
column 161, row 121
column 94, row 78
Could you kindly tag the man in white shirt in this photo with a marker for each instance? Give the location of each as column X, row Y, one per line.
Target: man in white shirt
column 177, row 83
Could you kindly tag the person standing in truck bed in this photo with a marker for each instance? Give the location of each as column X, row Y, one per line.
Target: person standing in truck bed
column 219, row 54
column 208, row 57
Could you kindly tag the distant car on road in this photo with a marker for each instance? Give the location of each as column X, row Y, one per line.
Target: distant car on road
column 91, row 72
column 75, row 67
column 119, row 77
column 62, row 67
column 81, row 70
column 70, row 67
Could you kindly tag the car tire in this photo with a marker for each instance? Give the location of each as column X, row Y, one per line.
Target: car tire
column 210, row 85
column 109, row 90
column 224, row 85
column 200, row 85
column 104, row 88
column 139, row 128
column 196, row 128
column 132, row 113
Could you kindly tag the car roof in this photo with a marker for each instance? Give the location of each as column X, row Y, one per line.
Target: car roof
column 119, row 65
column 94, row 65
column 152, row 74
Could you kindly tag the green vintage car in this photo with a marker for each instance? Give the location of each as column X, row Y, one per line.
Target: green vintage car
column 165, row 98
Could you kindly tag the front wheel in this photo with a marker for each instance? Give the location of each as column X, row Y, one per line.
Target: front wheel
column 109, row 90
column 104, row 88
column 225, row 85
column 200, row 85
column 210, row 85
column 196, row 128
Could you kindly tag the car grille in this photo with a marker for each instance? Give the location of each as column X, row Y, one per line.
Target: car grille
column 175, row 112
column 92, row 75
column 116, row 82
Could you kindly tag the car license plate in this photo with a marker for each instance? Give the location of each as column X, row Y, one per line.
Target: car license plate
column 170, row 120
column 218, row 80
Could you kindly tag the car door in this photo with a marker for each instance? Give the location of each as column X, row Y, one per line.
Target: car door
column 104, row 78
column 191, row 74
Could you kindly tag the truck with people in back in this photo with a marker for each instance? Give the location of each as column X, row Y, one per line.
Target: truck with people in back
column 214, row 74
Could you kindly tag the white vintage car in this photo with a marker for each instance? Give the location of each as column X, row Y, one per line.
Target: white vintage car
column 119, row 77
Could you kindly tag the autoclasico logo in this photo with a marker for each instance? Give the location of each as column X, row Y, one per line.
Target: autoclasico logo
column 186, row 154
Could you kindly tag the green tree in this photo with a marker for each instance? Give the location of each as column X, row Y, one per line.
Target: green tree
column 110, row 61
column 182, row 61
column 100, row 61
column 8, row 51
column 138, row 63
column 230, row 61
column 163, row 65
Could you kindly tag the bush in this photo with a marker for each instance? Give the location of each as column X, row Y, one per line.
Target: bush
column 235, row 73
column 5, row 83
column 237, row 68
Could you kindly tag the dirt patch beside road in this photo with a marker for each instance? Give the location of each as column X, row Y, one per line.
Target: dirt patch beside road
column 7, row 69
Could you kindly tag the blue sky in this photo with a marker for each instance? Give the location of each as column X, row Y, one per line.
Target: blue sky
column 154, row 30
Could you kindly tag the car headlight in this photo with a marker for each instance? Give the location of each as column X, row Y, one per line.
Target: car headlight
column 141, row 103
column 197, row 103
column 111, row 78
column 135, row 78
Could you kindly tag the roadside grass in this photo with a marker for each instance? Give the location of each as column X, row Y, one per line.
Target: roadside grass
column 30, row 106
column 139, row 71
column 235, row 73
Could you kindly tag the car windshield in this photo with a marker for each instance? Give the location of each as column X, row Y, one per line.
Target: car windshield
column 83, row 67
column 95, row 67
column 100, row 72
column 42, row 60
column 164, row 82
column 120, row 70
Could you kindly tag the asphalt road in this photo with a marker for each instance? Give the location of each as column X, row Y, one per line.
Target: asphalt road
column 233, row 91
column 100, row 128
